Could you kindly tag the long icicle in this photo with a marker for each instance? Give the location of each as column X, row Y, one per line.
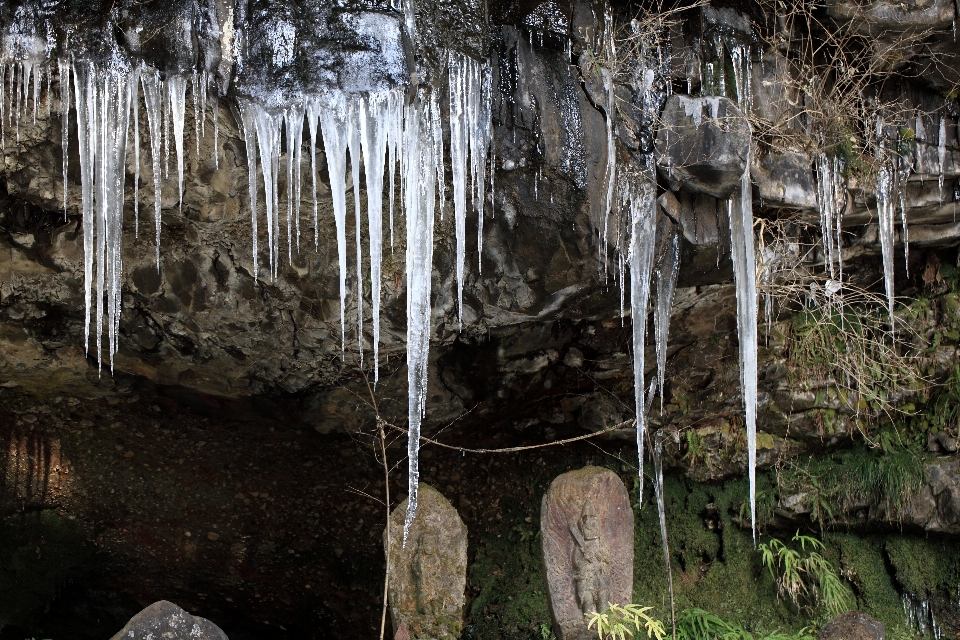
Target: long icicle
column 638, row 194
column 333, row 129
column 153, row 101
column 419, row 166
column 743, row 254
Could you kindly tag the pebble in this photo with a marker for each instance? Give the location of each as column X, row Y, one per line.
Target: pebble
column 213, row 537
column 128, row 454
column 187, row 534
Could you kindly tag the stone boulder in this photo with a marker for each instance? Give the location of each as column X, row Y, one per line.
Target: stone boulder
column 703, row 144
column 784, row 180
column 168, row 621
column 586, row 525
column 428, row 575
column 853, row 625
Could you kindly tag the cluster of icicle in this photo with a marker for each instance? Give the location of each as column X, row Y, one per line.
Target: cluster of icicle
column 392, row 133
column 106, row 99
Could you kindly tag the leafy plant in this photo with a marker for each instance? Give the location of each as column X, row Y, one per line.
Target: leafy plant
column 620, row 622
column 805, row 576
column 699, row 624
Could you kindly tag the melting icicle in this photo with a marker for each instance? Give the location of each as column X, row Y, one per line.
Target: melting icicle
column 250, row 139
column 420, row 175
column 666, row 273
column 135, row 108
column 153, row 100
column 639, row 195
column 742, row 252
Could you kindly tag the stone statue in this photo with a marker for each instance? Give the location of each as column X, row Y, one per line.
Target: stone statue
column 428, row 575
column 586, row 524
column 590, row 563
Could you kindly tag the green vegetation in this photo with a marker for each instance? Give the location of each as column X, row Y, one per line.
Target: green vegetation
column 805, row 576
column 619, row 622
column 697, row 624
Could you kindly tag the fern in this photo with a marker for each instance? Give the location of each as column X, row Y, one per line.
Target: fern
column 620, row 622
column 805, row 576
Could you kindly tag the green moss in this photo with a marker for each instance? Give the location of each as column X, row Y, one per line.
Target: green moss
column 926, row 567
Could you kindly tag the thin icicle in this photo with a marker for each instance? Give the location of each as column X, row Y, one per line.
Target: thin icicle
column 374, row 125
column 312, row 124
column 333, row 128
column 353, row 146
column 293, row 125
column 64, row 68
column 743, row 254
column 215, row 108
column 135, row 107
column 419, row 166
column 194, row 93
column 250, row 139
column 666, row 273
column 177, row 96
column 268, row 126
column 638, row 194
column 942, row 154
column 153, row 101
column 459, row 150
column 609, row 106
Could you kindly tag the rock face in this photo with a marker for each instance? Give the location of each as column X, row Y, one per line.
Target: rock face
column 168, row 621
column 702, row 145
column 428, row 575
column 853, row 625
column 586, row 525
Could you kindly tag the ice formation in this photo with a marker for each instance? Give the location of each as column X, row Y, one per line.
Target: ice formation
column 742, row 252
column 886, row 203
column 419, row 178
column 639, row 196
column 831, row 199
column 667, row 270
column 469, row 146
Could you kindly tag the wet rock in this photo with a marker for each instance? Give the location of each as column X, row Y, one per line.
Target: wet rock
column 586, row 524
column 853, row 625
column 428, row 575
column 702, row 145
column 166, row 620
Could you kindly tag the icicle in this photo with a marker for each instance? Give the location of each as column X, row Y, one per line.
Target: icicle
column 479, row 135
column 194, row 93
column 374, row 125
column 639, row 195
column 135, row 107
column 742, row 252
column 153, row 101
column 437, row 134
column 293, row 125
column 353, row 146
column 419, row 166
column 3, row 108
column 250, row 139
column 268, row 127
column 942, row 155
column 103, row 97
column 204, row 84
column 830, row 201
column 312, row 123
column 215, row 108
column 609, row 112
column 661, row 508
column 64, row 68
column 177, row 95
column 885, row 212
column 333, row 128
column 666, row 273
column 459, row 150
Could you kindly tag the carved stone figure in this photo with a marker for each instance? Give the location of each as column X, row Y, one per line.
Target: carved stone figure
column 586, row 526
column 428, row 575
column 590, row 563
